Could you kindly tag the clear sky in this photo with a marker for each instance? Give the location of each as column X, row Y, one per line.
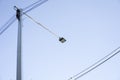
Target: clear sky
column 92, row 30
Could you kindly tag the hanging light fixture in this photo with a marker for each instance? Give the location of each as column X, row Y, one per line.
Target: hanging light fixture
column 62, row 40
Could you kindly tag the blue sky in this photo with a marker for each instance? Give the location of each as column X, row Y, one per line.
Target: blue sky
column 91, row 28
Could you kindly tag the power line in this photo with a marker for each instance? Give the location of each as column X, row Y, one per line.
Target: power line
column 25, row 10
column 34, row 5
column 96, row 64
column 8, row 23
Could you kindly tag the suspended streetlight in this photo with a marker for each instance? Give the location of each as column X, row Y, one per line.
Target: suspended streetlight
column 62, row 40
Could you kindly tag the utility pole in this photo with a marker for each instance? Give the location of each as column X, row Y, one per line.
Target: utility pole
column 19, row 13
column 19, row 45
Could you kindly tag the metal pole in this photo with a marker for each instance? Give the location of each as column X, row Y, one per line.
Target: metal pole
column 19, row 45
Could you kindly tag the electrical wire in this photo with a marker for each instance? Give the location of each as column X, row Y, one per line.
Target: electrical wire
column 8, row 23
column 31, row 5
column 95, row 65
column 41, row 25
column 34, row 5
column 25, row 10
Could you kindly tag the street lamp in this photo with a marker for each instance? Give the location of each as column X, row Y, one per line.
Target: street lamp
column 62, row 40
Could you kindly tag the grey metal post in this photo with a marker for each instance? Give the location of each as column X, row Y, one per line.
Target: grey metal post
column 19, row 45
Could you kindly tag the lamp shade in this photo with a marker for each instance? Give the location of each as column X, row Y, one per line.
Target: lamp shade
column 62, row 40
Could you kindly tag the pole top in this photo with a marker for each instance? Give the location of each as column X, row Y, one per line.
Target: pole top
column 15, row 8
column 18, row 12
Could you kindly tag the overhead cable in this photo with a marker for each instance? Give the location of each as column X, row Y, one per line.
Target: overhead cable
column 95, row 65
column 8, row 23
column 25, row 10
column 34, row 5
